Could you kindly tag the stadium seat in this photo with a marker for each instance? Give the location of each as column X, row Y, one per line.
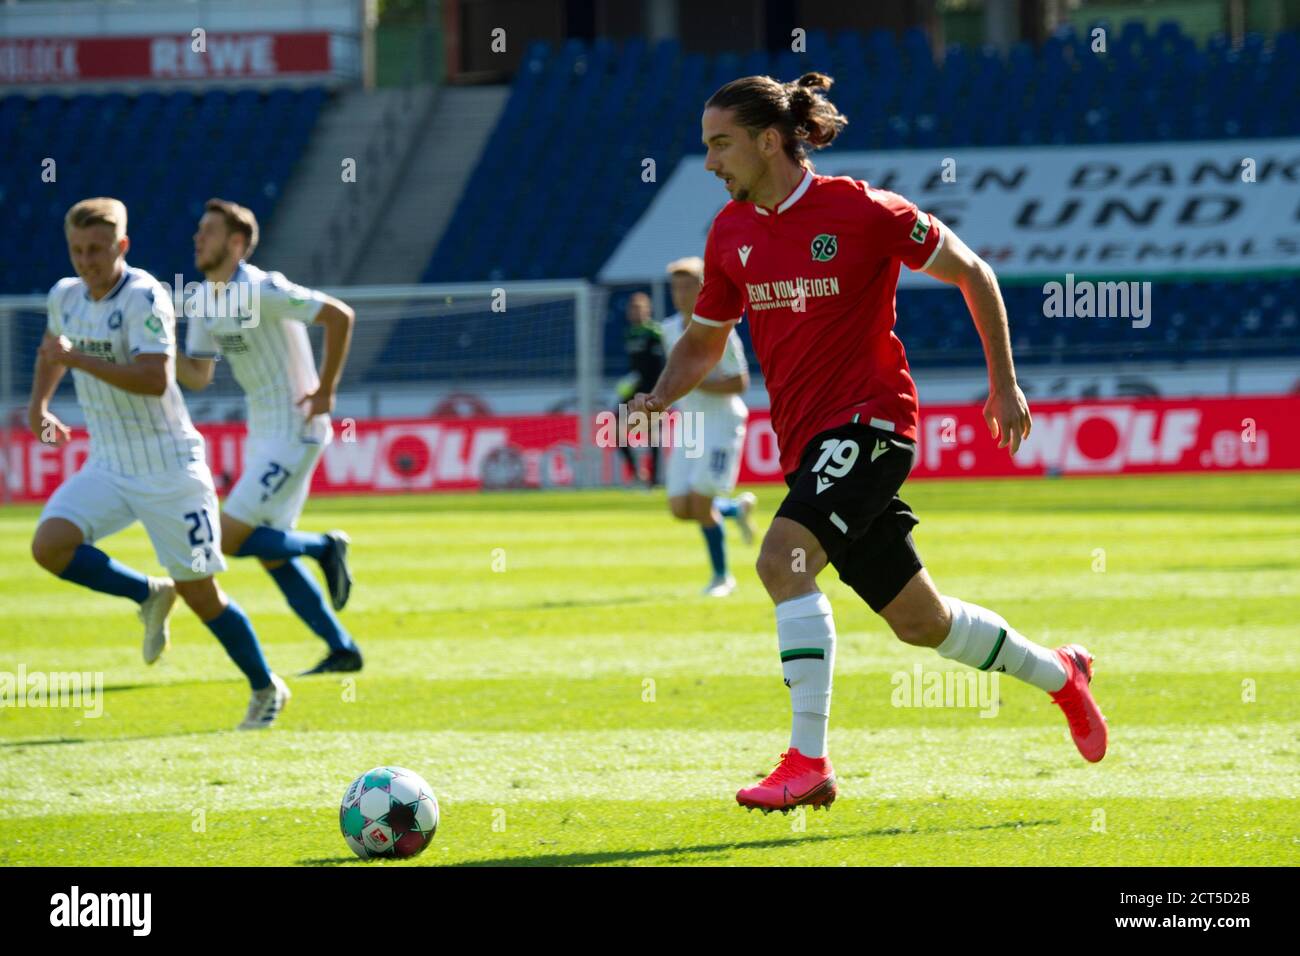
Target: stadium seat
column 164, row 199
column 1157, row 84
column 1062, row 94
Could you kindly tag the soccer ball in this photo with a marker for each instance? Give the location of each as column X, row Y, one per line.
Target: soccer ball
column 388, row 811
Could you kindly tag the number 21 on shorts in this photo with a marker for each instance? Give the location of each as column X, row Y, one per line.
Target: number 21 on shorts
column 200, row 548
column 274, row 478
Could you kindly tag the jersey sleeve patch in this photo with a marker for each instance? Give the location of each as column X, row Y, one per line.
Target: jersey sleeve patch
column 938, row 227
column 900, row 229
column 282, row 299
column 921, row 229
column 149, row 322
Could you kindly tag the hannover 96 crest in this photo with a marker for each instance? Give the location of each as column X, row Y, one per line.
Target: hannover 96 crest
column 824, row 247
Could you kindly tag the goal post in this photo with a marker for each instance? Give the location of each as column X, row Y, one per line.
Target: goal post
column 520, row 362
column 515, row 350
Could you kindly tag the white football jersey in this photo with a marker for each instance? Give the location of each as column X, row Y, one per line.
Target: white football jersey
column 129, row 434
column 731, row 364
column 269, row 352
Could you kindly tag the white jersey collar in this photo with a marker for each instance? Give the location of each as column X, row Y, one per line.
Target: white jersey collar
column 791, row 199
column 117, row 287
column 233, row 276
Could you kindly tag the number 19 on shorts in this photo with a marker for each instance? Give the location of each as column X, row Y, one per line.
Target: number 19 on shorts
column 840, row 453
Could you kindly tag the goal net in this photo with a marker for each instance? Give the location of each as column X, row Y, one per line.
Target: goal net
column 453, row 386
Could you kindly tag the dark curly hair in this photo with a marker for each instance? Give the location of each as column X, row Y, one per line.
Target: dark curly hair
column 799, row 109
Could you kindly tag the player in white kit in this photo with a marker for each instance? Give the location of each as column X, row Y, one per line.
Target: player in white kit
column 700, row 479
column 257, row 321
column 115, row 327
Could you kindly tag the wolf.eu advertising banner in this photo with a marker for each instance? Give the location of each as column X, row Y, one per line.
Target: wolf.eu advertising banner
column 460, row 454
column 1144, row 211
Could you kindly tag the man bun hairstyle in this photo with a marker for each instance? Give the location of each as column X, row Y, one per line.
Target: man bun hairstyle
column 799, row 109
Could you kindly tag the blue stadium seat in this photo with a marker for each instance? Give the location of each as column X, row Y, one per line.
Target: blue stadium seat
column 1158, row 84
column 146, row 150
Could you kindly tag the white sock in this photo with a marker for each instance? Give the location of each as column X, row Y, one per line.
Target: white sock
column 981, row 638
column 805, row 634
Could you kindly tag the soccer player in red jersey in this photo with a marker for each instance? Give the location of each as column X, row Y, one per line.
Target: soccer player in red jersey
column 814, row 261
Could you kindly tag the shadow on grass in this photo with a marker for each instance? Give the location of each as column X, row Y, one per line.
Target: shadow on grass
column 331, row 861
column 52, row 742
column 1202, row 568
column 622, row 601
column 714, row 849
column 168, row 685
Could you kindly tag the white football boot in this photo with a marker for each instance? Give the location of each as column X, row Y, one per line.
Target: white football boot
column 720, row 587
column 744, row 508
column 266, row 704
column 155, row 610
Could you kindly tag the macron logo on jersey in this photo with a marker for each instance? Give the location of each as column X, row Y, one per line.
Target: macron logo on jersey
column 744, row 254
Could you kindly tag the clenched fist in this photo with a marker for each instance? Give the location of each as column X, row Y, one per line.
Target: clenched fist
column 645, row 402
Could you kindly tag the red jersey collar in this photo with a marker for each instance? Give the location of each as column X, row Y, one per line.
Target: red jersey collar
column 791, row 199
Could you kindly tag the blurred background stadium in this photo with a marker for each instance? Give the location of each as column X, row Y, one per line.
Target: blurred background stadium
column 487, row 182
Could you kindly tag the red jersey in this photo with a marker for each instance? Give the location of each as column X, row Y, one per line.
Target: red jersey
column 817, row 275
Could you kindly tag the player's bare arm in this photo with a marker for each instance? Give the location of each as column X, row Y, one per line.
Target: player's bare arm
column 731, row 385
column 338, row 319
column 145, row 375
column 195, row 373
column 44, row 383
column 693, row 357
column 1006, row 411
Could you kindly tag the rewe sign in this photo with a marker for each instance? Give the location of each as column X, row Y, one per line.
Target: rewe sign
column 166, row 57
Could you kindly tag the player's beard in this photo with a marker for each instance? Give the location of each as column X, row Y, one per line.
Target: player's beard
column 210, row 264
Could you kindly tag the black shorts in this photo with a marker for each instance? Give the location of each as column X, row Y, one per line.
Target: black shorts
column 845, row 492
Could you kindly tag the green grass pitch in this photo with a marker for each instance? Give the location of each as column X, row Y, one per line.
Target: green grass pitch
column 581, row 704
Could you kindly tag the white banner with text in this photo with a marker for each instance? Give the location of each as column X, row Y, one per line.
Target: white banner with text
column 1145, row 210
